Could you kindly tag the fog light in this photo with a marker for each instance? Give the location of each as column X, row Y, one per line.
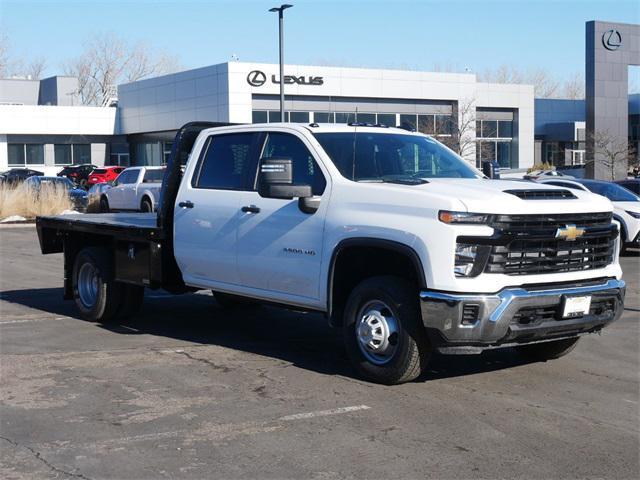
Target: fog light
column 465, row 259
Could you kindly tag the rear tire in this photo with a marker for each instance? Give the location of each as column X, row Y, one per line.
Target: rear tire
column 548, row 350
column 146, row 206
column 383, row 331
column 104, row 205
column 97, row 295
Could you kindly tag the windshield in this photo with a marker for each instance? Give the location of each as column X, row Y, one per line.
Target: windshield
column 388, row 157
column 613, row 192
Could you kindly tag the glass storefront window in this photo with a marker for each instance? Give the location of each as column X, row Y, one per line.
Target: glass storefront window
column 323, row 117
column 388, row 119
column 166, row 153
column 81, row 153
column 274, row 116
column 259, row 116
column 489, row 128
column 366, row 118
column 503, row 154
column 408, row 121
column 15, row 153
column 148, row 154
column 343, row 117
column 426, row 124
column 34, row 154
column 479, row 128
column 299, row 117
column 444, row 124
column 505, row 129
column 62, row 154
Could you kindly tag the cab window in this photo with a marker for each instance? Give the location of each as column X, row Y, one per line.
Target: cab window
column 305, row 168
column 226, row 163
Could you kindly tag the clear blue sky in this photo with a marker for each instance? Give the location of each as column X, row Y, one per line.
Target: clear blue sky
column 398, row 34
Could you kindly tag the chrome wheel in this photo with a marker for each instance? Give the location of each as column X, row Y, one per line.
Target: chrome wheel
column 377, row 332
column 88, row 284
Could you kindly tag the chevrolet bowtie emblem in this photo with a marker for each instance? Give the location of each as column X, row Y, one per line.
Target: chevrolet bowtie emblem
column 569, row 233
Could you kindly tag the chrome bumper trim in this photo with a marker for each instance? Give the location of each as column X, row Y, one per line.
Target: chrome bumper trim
column 443, row 311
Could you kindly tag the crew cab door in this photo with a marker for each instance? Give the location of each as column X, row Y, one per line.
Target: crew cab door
column 280, row 246
column 208, row 208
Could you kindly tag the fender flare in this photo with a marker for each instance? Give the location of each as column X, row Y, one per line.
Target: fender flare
column 392, row 245
column 623, row 228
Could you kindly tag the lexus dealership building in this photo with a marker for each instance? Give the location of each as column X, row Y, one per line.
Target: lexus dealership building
column 42, row 127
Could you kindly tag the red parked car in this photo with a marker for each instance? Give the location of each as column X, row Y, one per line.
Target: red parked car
column 104, row 174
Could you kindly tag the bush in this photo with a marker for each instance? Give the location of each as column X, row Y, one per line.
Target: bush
column 541, row 166
column 25, row 202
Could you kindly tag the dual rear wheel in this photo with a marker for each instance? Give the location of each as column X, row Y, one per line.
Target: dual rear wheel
column 98, row 296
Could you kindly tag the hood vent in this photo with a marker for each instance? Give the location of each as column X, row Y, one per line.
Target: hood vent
column 555, row 194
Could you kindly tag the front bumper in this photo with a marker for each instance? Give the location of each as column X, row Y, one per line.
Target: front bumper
column 516, row 315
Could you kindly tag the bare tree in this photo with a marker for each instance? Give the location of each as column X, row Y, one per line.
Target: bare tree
column 611, row 150
column 463, row 126
column 573, row 88
column 36, row 68
column 109, row 60
column 4, row 55
column 545, row 86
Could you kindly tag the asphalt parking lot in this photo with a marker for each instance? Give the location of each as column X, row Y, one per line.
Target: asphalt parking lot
column 188, row 390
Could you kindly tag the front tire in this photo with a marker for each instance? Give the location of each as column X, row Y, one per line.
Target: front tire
column 104, row 205
column 548, row 350
column 97, row 295
column 383, row 332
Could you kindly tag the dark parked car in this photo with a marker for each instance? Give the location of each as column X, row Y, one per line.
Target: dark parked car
column 632, row 184
column 78, row 174
column 78, row 196
column 17, row 175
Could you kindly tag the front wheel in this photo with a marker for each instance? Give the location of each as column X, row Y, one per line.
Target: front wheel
column 383, row 333
column 548, row 350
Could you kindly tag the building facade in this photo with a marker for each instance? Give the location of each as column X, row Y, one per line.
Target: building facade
column 496, row 119
column 43, row 128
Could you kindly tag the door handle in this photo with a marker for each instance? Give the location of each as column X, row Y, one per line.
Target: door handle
column 251, row 209
column 186, row 204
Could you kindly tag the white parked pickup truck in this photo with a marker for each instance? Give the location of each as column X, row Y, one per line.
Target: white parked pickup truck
column 389, row 234
column 135, row 189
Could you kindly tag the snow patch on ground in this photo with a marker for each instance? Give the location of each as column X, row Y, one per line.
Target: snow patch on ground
column 70, row 212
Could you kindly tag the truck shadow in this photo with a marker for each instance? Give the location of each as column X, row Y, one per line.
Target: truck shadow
column 302, row 339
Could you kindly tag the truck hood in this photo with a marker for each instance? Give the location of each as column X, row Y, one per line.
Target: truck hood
column 628, row 206
column 490, row 196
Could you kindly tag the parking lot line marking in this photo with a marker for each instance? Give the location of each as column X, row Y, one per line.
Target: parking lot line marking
column 323, row 413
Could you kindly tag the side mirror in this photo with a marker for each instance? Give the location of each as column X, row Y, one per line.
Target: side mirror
column 276, row 180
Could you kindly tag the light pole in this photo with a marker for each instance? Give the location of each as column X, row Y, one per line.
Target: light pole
column 280, row 11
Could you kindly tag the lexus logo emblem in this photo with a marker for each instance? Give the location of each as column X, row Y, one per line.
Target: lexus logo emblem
column 611, row 39
column 256, row 78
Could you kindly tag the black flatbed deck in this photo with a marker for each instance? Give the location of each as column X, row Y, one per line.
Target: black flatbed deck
column 137, row 226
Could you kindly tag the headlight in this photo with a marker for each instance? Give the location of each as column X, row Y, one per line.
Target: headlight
column 465, row 259
column 446, row 216
column 633, row 214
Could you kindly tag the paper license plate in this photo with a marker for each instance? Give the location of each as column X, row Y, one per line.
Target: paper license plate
column 575, row 306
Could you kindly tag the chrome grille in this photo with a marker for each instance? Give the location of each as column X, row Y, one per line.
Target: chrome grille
column 530, row 245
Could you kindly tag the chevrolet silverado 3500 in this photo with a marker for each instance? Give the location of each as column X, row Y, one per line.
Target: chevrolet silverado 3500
column 391, row 235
